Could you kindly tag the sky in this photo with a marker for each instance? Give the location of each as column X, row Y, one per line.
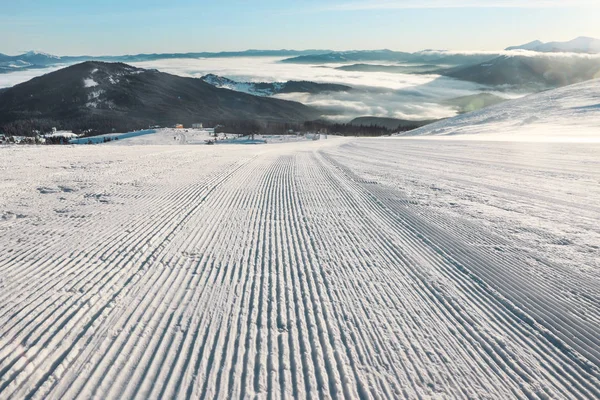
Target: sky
column 114, row 27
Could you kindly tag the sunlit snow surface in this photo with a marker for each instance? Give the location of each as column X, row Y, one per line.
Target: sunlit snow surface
column 158, row 267
column 374, row 268
column 571, row 113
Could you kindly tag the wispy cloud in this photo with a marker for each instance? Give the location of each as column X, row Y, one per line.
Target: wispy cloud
column 416, row 4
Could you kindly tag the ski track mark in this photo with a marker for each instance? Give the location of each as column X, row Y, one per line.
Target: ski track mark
column 364, row 268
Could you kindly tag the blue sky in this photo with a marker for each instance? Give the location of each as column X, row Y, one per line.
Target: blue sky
column 72, row 27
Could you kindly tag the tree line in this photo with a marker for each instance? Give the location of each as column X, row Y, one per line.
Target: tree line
column 98, row 125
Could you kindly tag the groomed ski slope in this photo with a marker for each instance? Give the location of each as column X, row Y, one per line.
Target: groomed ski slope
column 374, row 268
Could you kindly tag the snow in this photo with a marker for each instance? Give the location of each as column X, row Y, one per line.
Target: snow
column 65, row 134
column 167, row 136
column 111, row 136
column 94, row 97
column 568, row 114
column 245, row 87
column 40, row 53
column 189, row 136
column 89, row 82
column 356, row 268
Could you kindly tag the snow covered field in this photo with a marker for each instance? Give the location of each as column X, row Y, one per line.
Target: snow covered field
column 357, row 268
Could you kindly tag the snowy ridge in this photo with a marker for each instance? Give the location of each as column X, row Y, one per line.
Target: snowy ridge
column 254, row 88
column 330, row 269
column 245, row 87
column 581, row 44
column 570, row 113
column 40, row 53
column 266, row 89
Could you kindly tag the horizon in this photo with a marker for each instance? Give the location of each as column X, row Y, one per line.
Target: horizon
column 65, row 27
column 451, row 51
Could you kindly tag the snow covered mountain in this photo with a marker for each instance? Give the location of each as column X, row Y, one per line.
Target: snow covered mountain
column 31, row 59
column 527, row 46
column 571, row 113
column 39, row 58
column 257, row 89
column 266, row 89
column 104, row 96
column 581, row 44
column 533, row 72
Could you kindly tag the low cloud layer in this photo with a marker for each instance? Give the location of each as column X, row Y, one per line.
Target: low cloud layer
column 14, row 78
column 382, row 94
column 379, row 94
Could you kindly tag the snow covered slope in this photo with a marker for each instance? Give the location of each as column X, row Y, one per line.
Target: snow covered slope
column 570, row 113
column 373, row 268
column 341, row 269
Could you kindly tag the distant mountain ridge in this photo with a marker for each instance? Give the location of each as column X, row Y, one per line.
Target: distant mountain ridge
column 527, row 72
column 350, row 56
column 581, row 44
column 440, row 57
column 273, row 88
column 527, row 46
column 35, row 59
column 104, row 96
column 392, row 69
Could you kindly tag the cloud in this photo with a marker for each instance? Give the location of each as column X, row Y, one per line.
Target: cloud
column 420, row 4
column 379, row 94
column 14, row 78
column 510, row 53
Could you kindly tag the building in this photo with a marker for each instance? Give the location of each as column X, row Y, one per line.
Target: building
column 178, row 126
column 197, row 126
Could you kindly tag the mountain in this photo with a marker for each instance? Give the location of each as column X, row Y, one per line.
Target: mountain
column 29, row 60
column 581, row 44
column 437, row 57
column 568, row 113
column 442, row 57
column 392, row 69
column 273, row 88
column 350, row 56
column 102, row 96
column 390, row 123
column 223, row 54
column 34, row 59
column 38, row 58
column 578, row 45
column 527, row 46
column 531, row 72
